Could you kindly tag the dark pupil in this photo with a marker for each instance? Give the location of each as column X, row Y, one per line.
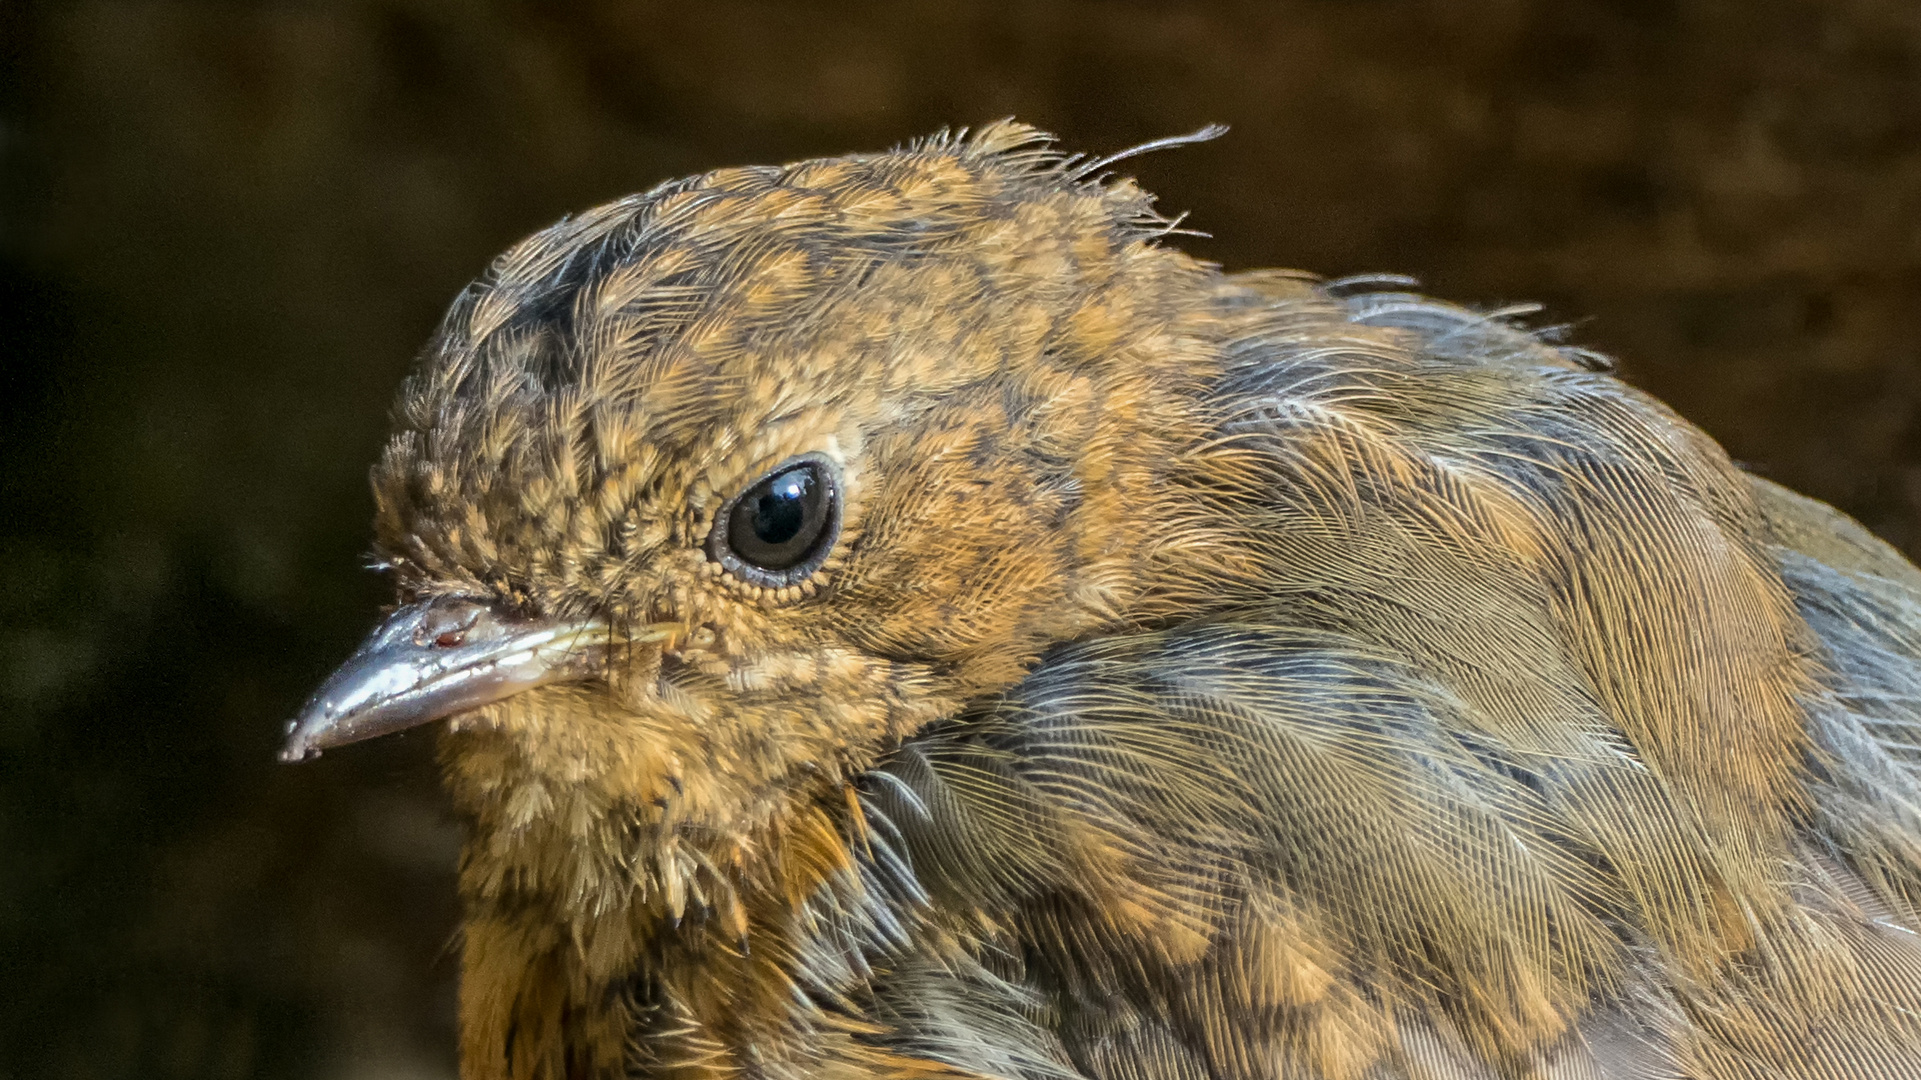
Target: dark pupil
column 782, row 509
column 775, row 525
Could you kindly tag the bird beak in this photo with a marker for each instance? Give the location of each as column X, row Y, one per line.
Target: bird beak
column 434, row 659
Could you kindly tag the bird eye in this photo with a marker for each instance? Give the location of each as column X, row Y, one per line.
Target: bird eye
column 778, row 531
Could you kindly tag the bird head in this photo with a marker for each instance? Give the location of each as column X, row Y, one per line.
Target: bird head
column 700, row 504
column 708, row 496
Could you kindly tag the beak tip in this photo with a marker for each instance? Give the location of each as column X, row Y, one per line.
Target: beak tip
column 299, row 745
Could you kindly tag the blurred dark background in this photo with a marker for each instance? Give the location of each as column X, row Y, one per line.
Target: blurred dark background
column 227, row 226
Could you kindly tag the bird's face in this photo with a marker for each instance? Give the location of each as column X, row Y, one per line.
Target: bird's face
column 711, row 494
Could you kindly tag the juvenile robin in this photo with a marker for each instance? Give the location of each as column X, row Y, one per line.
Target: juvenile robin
column 897, row 616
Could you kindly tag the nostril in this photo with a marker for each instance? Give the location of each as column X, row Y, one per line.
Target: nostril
column 449, row 622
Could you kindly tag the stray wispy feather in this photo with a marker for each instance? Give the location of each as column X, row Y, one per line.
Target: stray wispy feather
column 897, row 616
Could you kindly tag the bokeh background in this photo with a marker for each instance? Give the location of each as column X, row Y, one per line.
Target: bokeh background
column 228, row 225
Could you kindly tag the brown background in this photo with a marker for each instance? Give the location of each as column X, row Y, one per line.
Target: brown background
column 228, row 225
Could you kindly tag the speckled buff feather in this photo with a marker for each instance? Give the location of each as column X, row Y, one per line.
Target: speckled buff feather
column 896, row 616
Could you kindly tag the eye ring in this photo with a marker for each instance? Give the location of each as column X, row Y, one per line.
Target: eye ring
column 778, row 530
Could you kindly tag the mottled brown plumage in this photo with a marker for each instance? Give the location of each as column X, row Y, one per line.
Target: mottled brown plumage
column 1211, row 675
